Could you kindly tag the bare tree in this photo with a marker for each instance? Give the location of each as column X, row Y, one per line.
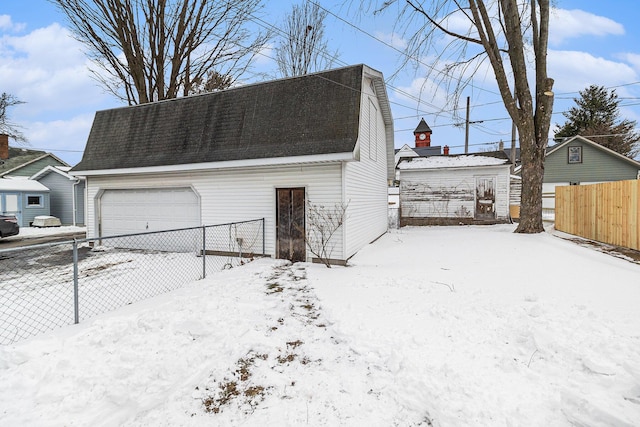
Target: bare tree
column 7, row 127
column 303, row 48
column 322, row 224
column 148, row 50
column 511, row 34
column 212, row 82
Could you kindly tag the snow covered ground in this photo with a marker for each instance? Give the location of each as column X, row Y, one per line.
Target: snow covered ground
column 444, row 326
column 33, row 232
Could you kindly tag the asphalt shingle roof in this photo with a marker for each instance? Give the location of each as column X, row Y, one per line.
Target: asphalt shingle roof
column 18, row 157
column 308, row 115
column 422, row 127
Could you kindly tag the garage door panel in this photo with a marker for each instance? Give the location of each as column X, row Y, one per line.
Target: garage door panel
column 137, row 211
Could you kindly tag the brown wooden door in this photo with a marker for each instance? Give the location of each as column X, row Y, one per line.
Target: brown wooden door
column 290, row 227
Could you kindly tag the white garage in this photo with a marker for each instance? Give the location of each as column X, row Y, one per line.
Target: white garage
column 149, row 209
column 246, row 153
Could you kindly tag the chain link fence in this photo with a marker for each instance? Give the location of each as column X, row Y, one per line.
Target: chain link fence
column 48, row 286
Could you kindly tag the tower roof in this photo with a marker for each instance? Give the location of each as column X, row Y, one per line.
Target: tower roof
column 423, row 127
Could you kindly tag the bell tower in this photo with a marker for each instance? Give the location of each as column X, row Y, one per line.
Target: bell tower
column 423, row 134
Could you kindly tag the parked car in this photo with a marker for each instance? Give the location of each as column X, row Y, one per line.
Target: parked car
column 8, row 226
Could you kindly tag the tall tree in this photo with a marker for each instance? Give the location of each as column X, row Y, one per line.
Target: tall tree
column 7, row 127
column 303, row 48
column 597, row 115
column 510, row 34
column 148, row 50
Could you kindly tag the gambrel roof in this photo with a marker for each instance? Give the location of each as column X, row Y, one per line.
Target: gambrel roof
column 315, row 114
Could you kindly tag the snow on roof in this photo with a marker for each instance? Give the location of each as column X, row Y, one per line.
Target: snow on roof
column 21, row 185
column 437, row 162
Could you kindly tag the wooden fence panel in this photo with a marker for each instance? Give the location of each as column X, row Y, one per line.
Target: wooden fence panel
column 607, row 212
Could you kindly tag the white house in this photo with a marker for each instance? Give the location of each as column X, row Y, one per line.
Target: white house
column 256, row 151
column 465, row 188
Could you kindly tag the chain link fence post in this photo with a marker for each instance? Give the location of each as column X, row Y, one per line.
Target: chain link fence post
column 204, row 252
column 40, row 284
column 76, row 305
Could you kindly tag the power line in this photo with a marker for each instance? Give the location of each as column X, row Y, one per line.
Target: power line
column 391, row 46
column 268, row 25
column 410, row 96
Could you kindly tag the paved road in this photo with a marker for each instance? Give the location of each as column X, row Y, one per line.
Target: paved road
column 15, row 242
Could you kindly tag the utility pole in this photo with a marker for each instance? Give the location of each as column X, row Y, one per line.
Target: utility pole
column 466, row 133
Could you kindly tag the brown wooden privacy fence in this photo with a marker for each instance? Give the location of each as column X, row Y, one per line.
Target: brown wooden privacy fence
column 607, row 212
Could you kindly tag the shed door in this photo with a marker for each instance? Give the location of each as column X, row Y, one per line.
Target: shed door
column 151, row 209
column 11, row 206
column 485, row 197
column 290, row 226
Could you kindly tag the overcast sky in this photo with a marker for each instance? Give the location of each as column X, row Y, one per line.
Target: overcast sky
column 591, row 42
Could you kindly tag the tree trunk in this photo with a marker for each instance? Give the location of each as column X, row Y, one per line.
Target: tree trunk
column 532, row 173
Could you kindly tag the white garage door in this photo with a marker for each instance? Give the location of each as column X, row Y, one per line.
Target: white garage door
column 137, row 211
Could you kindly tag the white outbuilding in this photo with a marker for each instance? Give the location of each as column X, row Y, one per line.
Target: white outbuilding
column 454, row 189
column 265, row 150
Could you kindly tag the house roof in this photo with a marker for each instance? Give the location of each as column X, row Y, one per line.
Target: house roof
column 315, row 114
column 21, row 184
column 420, row 151
column 493, row 158
column 21, row 157
column 567, row 141
column 507, row 151
column 594, row 144
column 433, row 150
column 60, row 170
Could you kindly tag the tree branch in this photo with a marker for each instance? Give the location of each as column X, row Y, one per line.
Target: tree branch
column 440, row 27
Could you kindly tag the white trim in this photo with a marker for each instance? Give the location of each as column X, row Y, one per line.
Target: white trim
column 33, row 161
column 595, row 144
column 387, row 117
column 55, row 169
column 231, row 164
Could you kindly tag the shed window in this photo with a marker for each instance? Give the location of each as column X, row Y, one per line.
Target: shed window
column 34, row 201
column 575, row 154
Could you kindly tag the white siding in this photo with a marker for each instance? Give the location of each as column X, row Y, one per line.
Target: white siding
column 235, row 194
column 366, row 181
column 449, row 193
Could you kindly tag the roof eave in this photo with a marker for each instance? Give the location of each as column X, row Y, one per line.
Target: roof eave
column 385, row 109
column 231, row 164
column 456, row 167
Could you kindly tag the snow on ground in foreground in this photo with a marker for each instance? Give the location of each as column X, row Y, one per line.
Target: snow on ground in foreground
column 447, row 326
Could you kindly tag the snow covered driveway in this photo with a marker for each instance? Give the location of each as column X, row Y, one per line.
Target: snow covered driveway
column 450, row 326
